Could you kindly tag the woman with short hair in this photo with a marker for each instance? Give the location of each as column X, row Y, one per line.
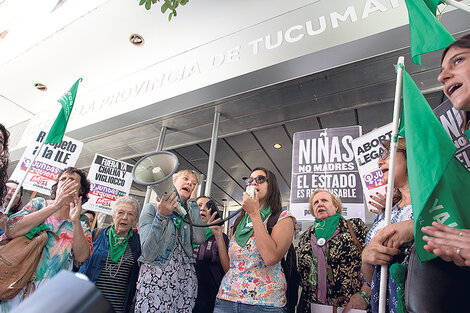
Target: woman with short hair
column 167, row 280
column 329, row 256
column 113, row 266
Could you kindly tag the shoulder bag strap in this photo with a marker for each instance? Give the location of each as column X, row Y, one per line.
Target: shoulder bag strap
column 353, row 235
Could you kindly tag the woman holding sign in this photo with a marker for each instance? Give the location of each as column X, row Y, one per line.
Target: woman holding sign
column 329, row 254
column 386, row 244
column 262, row 235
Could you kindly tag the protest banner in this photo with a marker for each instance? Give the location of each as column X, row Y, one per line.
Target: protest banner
column 324, row 159
column 52, row 159
column 367, row 150
column 452, row 120
column 110, row 179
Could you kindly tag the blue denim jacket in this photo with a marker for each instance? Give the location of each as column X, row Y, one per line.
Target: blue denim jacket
column 93, row 266
column 159, row 235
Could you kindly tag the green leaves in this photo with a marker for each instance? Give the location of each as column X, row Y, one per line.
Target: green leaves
column 166, row 5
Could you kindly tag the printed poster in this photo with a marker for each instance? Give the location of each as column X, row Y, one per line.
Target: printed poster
column 110, row 179
column 452, row 121
column 367, row 150
column 324, row 159
column 53, row 158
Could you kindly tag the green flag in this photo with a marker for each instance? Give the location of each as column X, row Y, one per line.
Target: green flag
column 439, row 183
column 426, row 32
column 56, row 133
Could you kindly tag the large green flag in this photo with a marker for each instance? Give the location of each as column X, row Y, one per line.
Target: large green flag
column 56, row 133
column 426, row 32
column 439, row 183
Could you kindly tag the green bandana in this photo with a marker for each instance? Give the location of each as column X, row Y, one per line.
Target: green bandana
column 326, row 228
column 179, row 220
column 117, row 244
column 208, row 233
column 245, row 227
column 36, row 230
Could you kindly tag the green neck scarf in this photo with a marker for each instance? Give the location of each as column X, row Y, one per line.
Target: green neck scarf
column 117, row 244
column 208, row 233
column 326, row 228
column 179, row 220
column 245, row 227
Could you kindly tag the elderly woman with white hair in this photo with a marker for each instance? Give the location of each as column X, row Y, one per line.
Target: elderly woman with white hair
column 113, row 266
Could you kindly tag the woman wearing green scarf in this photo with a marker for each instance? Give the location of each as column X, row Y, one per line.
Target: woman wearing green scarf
column 329, row 259
column 255, row 279
column 167, row 280
column 113, row 266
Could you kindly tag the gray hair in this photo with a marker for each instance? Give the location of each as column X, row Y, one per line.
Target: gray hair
column 127, row 200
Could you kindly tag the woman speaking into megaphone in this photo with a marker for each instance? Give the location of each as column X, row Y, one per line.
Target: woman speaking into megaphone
column 167, row 279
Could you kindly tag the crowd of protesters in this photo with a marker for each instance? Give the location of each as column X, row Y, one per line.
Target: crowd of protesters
column 170, row 265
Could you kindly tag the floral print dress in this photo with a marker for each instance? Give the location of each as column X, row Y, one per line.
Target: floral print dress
column 57, row 254
column 249, row 280
column 343, row 261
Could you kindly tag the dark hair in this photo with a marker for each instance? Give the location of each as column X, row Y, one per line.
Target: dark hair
column 90, row 212
column 273, row 199
column 200, row 197
column 84, row 183
column 4, row 162
column 463, row 43
column 17, row 184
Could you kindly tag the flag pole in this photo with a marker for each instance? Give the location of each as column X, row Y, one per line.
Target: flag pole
column 57, row 130
column 391, row 176
column 458, row 5
column 24, row 178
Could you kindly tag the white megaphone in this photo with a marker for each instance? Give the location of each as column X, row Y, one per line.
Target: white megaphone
column 156, row 170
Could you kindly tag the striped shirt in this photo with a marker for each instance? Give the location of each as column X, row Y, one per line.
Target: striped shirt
column 113, row 280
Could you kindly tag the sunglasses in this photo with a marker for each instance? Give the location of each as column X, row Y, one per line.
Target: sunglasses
column 386, row 153
column 259, row 180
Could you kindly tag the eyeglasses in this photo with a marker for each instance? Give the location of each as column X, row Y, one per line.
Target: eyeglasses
column 386, row 153
column 259, row 180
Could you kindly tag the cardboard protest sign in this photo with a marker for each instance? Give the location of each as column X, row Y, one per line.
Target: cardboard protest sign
column 53, row 158
column 324, row 159
column 367, row 150
column 110, row 179
column 452, row 120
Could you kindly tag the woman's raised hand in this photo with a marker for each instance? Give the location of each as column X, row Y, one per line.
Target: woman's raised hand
column 250, row 205
column 378, row 201
column 167, row 204
column 66, row 193
column 216, row 229
column 75, row 209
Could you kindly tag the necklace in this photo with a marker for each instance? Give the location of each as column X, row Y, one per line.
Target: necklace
column 110, row 267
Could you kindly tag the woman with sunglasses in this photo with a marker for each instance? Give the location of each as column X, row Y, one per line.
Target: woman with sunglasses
column 329, row 254
column 255, row 280
column 386, row 244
